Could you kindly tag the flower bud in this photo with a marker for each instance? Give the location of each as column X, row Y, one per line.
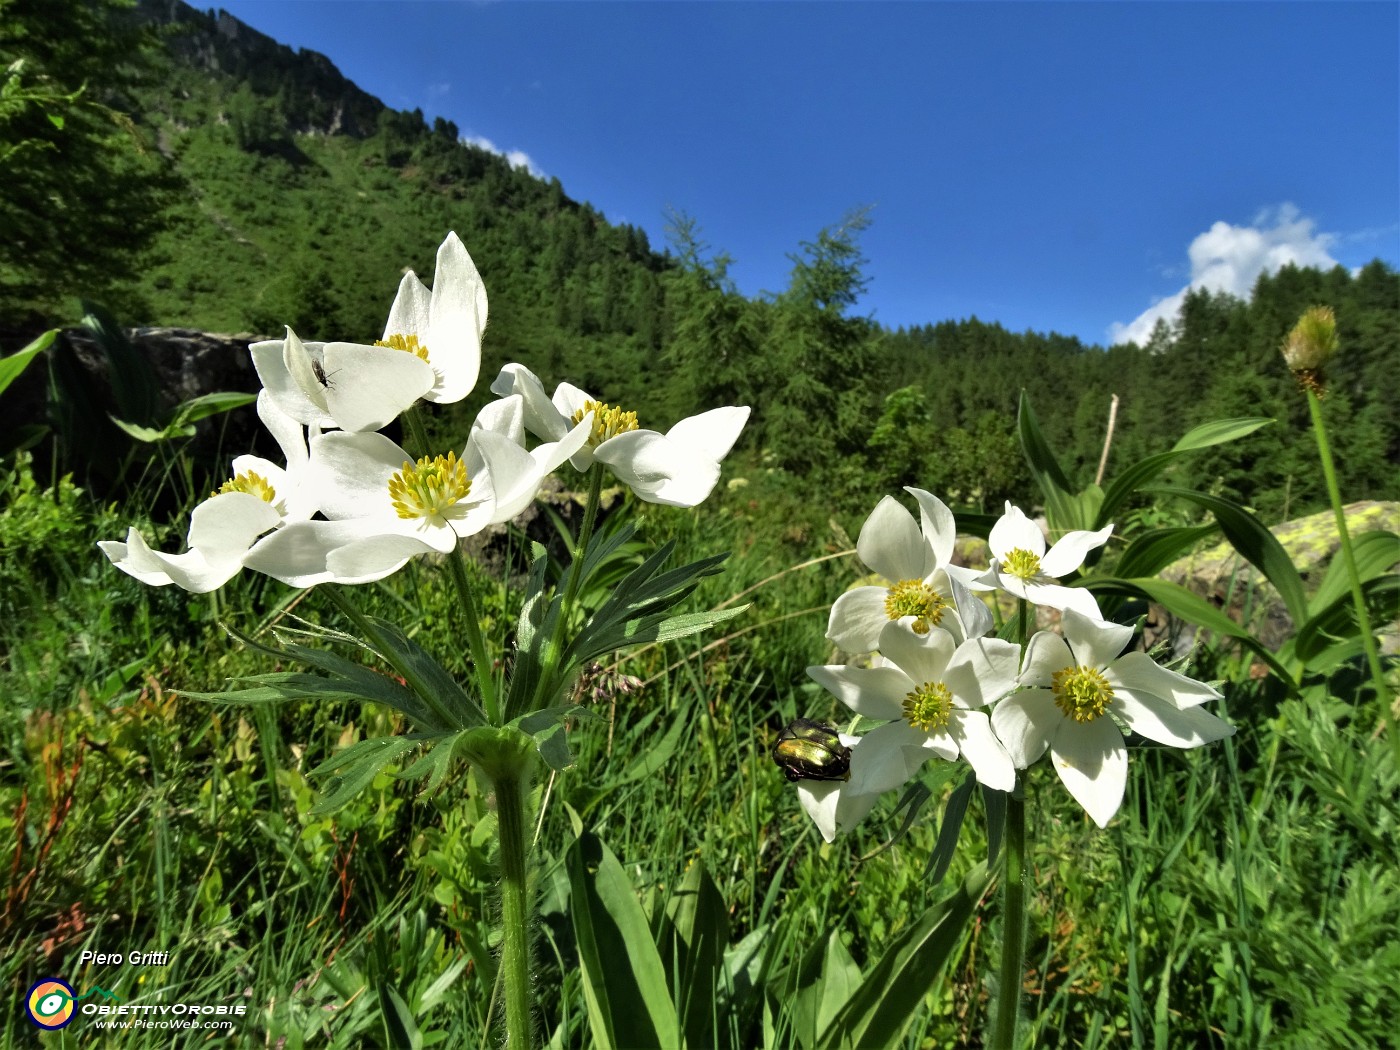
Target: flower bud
column 1310, row 345
column 808, row 750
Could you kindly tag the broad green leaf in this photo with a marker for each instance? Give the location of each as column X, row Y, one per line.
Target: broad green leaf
column 1337, row 622
column 894, row 989
column 948, row 833
column 699, row 920
column 399, row 1026
column 206, row 405
column 1248, row 535
column 1127, row 481
column 1375, row 553
column 1192, row 608
column 625, row 987
column 150, row 435
column 1153, row 550
column 1219, row 431
column 12, row 367
column 1061, row 506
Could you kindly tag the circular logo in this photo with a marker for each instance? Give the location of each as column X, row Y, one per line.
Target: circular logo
column 50, row 1003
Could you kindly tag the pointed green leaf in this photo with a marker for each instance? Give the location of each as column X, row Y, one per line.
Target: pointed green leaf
column 1375, row 553
column 1219, row 431
column 12, row 367
column 950, row 830
column 356, row 767
column 1153, row 550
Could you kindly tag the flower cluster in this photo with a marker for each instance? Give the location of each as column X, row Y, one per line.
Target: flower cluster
column 942, row 686
column 351, row 506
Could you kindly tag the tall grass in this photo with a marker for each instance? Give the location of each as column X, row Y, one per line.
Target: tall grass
column 1246, row 894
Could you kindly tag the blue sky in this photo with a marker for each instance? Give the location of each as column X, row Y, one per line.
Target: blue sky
column 1051, row 166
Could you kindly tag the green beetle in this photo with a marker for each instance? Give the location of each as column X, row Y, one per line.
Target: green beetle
column 808, row 750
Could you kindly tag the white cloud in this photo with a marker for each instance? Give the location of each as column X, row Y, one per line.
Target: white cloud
column 1230, row 259
column 515, row 158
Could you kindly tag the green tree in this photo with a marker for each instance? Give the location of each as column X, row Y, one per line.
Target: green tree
column 84, row 189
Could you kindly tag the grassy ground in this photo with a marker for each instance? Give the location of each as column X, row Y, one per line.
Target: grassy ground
column 1247, row 893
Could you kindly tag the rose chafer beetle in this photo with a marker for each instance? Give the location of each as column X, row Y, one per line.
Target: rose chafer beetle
column 808, row 750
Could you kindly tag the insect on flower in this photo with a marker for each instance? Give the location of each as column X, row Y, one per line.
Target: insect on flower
column 320, row 373
column 809, row 750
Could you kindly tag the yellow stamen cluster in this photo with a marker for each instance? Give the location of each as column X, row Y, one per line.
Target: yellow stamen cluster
column 429, row 488
column 407, row 343
column 252, row 483
column 1081, row 693
column 607, row 422
column 915, row 598
column 1022, row 564
column 928, row 706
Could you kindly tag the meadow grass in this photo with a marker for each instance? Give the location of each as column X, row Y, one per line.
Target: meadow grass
column 1247, row 893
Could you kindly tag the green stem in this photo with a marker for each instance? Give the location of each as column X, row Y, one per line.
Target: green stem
column 1013, row 928
column 481, row 656
column 511, row 822
column 555, row 650
column 1363, row 618
column 340, row 596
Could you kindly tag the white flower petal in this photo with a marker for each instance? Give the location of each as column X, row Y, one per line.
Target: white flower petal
column 505, row 415
column 982, row 671
column 892, row 545
column 1094, row 641
column 353, row 472
column 225, row 526
column 1166, row 723
column 657, row 469
column 875, row 692
column 1056, row 597
column 270, row 362
column 1093, row 764
column 366, row 387
column 887, row 757
column 372, row 558
column 1014, row 531
column 1046, row 653
column 710, row 435
column 1070, row 550
column 409, row 313
column 1138, row 673
column 857, row 618
column 972, row 730
column 542, row 418
column 1024, row 723
column 923, row 657
column 936, row 521
column 457, row 319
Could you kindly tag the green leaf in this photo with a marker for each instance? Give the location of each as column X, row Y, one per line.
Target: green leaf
column 699, row 919
column 1219, row 431
column 206, row 405
column 1062, row 509
column 12, row 367
column 947, row 844
column 356, row 767
column 1375, row 553
column 400, row 1029
column 1127, row 482
column 1337, row 622
column 624, row 984
column 1248, row 535
column 1153, row 550
column 893, row 991
column 433, row 763
column 1192, row 608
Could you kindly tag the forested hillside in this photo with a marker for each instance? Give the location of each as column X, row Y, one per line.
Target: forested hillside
column 260, row 188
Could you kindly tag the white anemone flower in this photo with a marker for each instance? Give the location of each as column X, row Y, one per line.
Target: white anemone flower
column 838, row 806
column 1080, row 689
column 384, row 508
column 260, row 497
column 1020, row 564
column 923, row 588
column 678, row 468
column 929, row 691
column 444, row 327
column 348, row 386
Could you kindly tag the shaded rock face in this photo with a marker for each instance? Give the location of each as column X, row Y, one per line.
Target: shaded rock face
column 1221, row 576
column 182, row 363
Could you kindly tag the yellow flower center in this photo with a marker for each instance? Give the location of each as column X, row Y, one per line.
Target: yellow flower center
column 928, row 706
column 252, row 483
column 407, row 343
column 917, row 599
column 1081, row 693
column 608, row 422
column 429, row 488
column 1022, row 564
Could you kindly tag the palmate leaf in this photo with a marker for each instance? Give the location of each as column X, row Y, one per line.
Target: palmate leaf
column 354, row 769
